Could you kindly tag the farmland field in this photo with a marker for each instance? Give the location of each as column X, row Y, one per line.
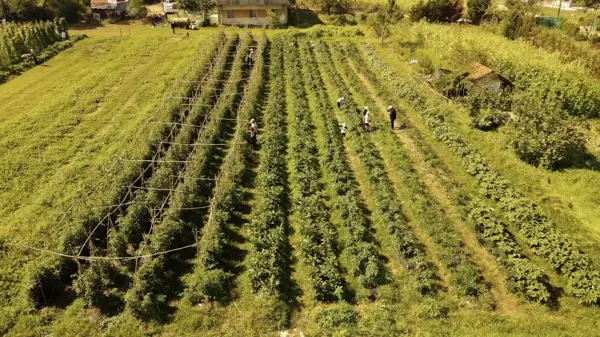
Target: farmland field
column 134, row 204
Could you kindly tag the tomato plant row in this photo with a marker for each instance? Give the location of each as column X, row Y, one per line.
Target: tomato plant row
column 318, row 245
column 267, row 257
column 362, row 250
column 408, row 246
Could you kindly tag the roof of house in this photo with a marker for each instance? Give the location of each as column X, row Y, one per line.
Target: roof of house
column 478, row 71
column 106, row 4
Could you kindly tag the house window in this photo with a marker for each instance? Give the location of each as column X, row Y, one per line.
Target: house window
column 253, row 13
column 230, row 14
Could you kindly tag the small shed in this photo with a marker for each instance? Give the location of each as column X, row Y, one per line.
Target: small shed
column 483, row 76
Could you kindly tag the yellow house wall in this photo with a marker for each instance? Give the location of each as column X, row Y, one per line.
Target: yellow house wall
column 242, row 14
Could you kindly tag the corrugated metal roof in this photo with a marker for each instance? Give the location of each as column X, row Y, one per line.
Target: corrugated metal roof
column 478, row 71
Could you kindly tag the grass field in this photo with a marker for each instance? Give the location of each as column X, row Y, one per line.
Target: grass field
column 379, row 233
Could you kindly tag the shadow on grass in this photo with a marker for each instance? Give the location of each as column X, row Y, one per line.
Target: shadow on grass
column 303, row 18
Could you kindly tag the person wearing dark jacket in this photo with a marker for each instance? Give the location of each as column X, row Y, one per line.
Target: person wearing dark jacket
column 392, row 113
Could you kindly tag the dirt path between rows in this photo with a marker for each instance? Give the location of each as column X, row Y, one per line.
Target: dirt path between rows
column 493, row 273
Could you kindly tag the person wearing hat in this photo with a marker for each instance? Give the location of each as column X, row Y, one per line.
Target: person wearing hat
column 392, row 114
column 339, row 102
column 253, row 128
column 343, row 131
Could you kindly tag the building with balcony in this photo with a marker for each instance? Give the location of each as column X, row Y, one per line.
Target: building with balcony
column 250, row 12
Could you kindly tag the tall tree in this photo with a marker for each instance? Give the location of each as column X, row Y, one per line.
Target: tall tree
column 205, row 7
column 477, row 9
column 3, row 8
column 384, row 18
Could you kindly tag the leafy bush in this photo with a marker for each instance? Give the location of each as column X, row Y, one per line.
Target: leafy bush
column 489, row 119
column 436, row 11
column 432, row 309
column 544, row 136
column 336, row 316
column 477, row 9
column 453, row 84
column 343, row 20
column 517, row 23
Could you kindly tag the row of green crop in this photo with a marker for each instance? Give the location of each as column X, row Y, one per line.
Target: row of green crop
column 156, row 279
column 147, row 204
column 267, row 255
column 19, row 39
column 523, row 276
column 46, row 278
column 318, row 236
column 537, row 229
column 211, row 277
column 408, row 246
column 463, row 272
column 361, row 248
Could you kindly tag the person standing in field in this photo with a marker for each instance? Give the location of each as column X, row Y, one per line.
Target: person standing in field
column 343, row 130
column 366, row 121
column 392, row 113
column 173, row 26
column 339, row 102
column 250, row 57
column 253, row 129
column 34, row 57
column 63, row 35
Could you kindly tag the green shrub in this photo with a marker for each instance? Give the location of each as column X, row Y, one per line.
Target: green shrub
column 489, row 119
column 477, row 9
column 336, row 316
column 545, row 136
column 343, row 20
column 432, row 308
column 210, row 285
column 436, row 11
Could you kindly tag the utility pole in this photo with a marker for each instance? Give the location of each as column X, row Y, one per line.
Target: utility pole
column 559, row 6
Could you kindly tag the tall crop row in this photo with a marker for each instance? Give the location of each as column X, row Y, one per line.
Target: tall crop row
column 267, row 256
column 361, row 247
column 19, row 39
column 318, row 246
column 46, row 278
column 537, row 229
column 523, row 276
column 408, row 246
column 147, row 205
column 211, row 277
column 154, row 280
